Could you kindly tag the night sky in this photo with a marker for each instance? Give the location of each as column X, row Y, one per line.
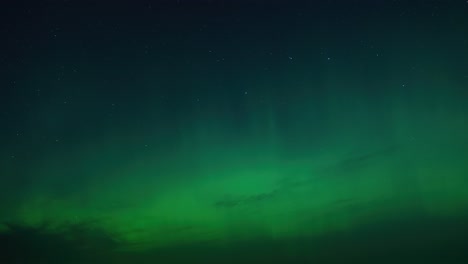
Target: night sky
column 223, row 131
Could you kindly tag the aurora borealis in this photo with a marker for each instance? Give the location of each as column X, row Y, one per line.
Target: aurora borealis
column 234, row 132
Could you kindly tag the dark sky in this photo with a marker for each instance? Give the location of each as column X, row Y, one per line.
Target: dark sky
column 148, row 129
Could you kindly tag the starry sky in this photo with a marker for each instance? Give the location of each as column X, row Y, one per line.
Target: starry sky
column 233, row 131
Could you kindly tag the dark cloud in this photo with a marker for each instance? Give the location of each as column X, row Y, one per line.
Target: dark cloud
column 45, row 244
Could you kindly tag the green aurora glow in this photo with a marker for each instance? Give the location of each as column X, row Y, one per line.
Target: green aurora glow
column 210, row 139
